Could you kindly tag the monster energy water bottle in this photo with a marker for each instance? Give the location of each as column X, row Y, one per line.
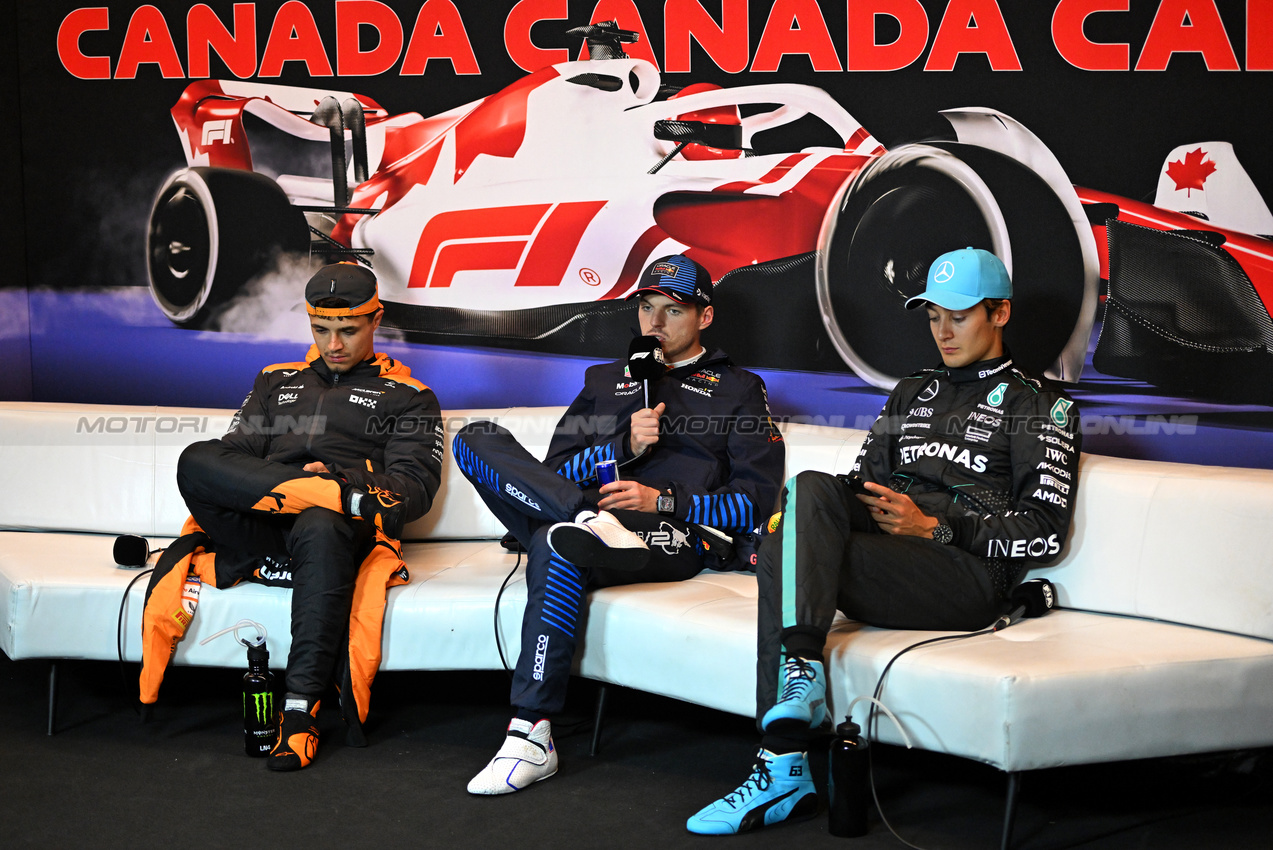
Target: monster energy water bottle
column 260, row 722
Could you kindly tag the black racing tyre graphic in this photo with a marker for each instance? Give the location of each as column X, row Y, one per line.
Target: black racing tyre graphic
column 211, row 231
column 903, row 211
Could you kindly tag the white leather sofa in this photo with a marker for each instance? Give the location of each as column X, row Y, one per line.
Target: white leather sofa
column 1163, row 646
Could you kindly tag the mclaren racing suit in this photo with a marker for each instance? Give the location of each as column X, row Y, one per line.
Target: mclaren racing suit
column 719, row 454
column 257, row 515
column 987, row 450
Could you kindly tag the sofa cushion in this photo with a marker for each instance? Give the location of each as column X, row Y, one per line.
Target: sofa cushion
column 1171, row 541
column 1069, row 688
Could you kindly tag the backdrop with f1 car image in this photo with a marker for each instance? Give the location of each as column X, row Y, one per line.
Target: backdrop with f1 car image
column 509, row 168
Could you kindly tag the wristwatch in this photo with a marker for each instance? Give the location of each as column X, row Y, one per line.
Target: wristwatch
column 943, row 534
column 666, row 504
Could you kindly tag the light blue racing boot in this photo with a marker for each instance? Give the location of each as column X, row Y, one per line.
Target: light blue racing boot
column 779, row 789
column 803, row 703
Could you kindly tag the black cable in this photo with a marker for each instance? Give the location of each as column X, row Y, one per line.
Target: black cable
column 119, row 637
column 498, row 646
column 562, row 729
column 871, row 717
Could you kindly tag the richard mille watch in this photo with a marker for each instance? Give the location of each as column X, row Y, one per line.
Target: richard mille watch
column 943, row 534
column 665, row 504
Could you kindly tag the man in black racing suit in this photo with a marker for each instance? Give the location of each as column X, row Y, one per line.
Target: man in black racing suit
column 968, row 474
column 325, row 460
column 702, row 452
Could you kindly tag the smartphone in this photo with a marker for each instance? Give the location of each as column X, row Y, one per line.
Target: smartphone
column 855, row 485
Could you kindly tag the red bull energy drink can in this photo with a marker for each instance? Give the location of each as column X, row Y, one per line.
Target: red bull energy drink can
column 607, row 472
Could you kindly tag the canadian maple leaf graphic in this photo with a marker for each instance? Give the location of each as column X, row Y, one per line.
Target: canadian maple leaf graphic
column 1192, row 172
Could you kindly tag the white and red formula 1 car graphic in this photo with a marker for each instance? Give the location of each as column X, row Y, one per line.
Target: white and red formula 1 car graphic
column 523, row 219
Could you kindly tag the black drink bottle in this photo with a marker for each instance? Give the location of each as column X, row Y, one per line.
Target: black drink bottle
column 850, row 782
column 260, row 722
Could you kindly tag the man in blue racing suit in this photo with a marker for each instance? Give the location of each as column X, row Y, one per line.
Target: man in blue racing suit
column 968, row 474
column 702, row 452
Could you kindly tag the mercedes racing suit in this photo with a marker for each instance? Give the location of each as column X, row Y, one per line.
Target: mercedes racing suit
column 266, row 519
column 718, row 453
column 987, row 450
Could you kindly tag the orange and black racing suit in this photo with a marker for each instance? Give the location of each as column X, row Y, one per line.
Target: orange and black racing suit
column 257, row 515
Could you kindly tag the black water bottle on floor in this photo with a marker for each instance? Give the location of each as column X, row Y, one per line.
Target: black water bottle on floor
column 850, row 781
column 260, row 722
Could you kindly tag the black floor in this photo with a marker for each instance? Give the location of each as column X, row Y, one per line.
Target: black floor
column 105, row 780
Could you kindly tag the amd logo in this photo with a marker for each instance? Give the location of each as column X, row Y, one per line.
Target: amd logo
column 1050, row 497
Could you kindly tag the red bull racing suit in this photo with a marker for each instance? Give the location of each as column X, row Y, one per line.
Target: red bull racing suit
column 719, row 455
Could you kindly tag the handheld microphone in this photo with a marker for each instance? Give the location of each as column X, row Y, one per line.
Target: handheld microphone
column 131, row 551
column 645, row 361
column 1032, row 598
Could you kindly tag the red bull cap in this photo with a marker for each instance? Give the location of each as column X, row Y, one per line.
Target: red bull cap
column 679, row 278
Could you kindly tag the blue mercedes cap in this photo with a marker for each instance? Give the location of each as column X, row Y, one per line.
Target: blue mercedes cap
column 961, row 279
column 679, row 278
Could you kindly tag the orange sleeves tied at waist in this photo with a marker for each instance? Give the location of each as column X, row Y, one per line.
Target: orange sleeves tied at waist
column 172, row 598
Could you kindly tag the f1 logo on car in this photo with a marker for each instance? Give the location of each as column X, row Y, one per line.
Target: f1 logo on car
column 540, row 238
column 217, row 131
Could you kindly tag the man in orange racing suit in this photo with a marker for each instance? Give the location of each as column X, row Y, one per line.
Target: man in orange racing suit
column 322, row 466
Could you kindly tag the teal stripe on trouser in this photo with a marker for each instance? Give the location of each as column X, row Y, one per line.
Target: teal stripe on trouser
column 789, row 524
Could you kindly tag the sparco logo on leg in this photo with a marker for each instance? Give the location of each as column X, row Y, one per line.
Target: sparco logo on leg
column 541, row 650
column 520, row 496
